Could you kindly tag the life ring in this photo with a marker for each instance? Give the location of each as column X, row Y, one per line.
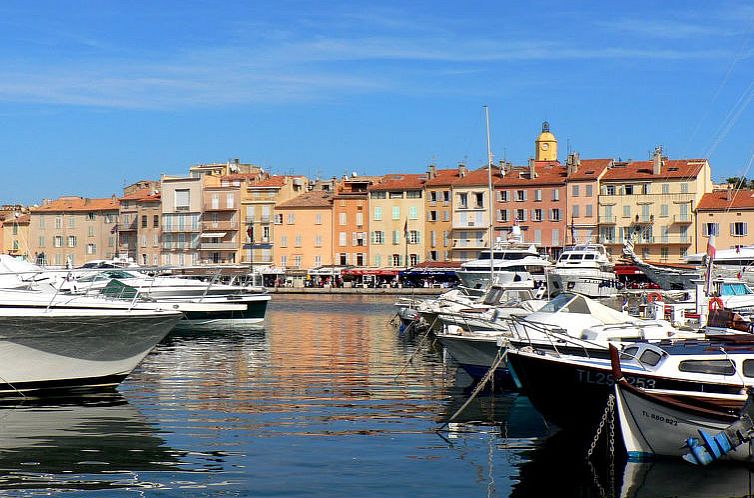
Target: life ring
column 654, row 296
column 716, row 304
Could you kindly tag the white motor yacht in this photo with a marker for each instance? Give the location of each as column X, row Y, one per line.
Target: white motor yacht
column 585, row 269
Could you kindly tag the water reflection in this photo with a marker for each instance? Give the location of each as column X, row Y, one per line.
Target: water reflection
column 53, row 445
column 679, row 478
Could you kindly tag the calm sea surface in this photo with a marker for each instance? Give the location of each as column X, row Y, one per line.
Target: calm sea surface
column 314, row 404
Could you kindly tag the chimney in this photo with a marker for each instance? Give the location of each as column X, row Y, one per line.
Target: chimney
column 462, row 170
column 657, row 160
column 729, row 194
column 432, row 172
column 532, row 169
column 572, row 163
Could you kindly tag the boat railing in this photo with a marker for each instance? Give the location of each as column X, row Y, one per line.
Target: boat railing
column 556, row 336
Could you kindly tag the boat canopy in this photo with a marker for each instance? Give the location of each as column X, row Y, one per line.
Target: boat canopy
column 578, row 304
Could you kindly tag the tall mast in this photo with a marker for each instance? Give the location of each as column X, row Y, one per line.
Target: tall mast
column 491, row 213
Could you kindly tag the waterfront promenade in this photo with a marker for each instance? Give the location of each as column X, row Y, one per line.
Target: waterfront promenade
column 416, row 291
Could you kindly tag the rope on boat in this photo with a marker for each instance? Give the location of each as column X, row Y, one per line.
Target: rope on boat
column 499, row 359
column 418, row 347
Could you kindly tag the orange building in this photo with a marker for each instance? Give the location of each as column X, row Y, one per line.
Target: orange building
column 139, row 227
column 582, row 213
column 303, row 237
column 351, row 221
column 15, row 235
column 725, row 213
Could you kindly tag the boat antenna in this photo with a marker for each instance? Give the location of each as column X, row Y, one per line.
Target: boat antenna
column 489, row 195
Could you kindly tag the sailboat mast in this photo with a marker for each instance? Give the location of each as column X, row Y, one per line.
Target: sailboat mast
column 490, row 197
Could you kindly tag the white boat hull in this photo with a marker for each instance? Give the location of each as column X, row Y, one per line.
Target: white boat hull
column 586, row 282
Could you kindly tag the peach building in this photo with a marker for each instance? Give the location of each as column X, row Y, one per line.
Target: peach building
column 74, row 230
column 182, row 204
column 396, row 220
column 139, row 226
column 351, row 221
column 219, row 238
column 438, row 206
column 582, row 179
column 726, row 214
column 303, row 238
column 470, row 212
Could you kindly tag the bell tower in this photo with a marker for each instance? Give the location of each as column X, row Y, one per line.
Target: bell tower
column 546, row 145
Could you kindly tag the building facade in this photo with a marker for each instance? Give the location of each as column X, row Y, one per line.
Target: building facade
column 351, row 221
column 139, row 225
column 652, row 203
column 726, row 213
column 303, row 231
column 438, row 206
column 73, row 230
column 470, row 197
column 182, row 203
column 396, row 220
column 582, row 193
column 15, row 235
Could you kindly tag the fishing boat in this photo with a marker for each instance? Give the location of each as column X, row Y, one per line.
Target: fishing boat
column 694, row 371
column 585, row 269
column 653, row 424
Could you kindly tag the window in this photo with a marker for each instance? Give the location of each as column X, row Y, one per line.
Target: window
column 90, row 216
column 41, row 241
column 503, row 195
column 626, row 211
column 143, row 241
column 156, row 220
column 144, row 221
column 291, row 218
column 588, row 189
column 432, row 216
column 396, row 212
column 664, row 210
column 378, row 237
column 711, row 229
column 279, row 219
column 575, row 212
column 395, row 260
column 71, row 241
column 629, row 189
column 433, row 197
column 446, row 196
column 396, row 237
column 342, row 239
column 182, row 199
column 414, row 237
column 713, row 367
column 91, row 248
column 537, row 216
column 155, row 240
column 71, row 221
column 58, row 222
column 396, row 195
column 377, row 213
column 684, row 188
column 589, row 210
column 555, row 214
column 446, row 216
column 342, row 219
column 283, row 260
column 378, row 195
column 478, row 200
column 413, row 213
column 520, row 195
column 317, row 260
column 646, row 188
column 503, row 215
column 230, row 200
column 41, row 221
column 739, row 229
column 15, row 245
column 664, row 253
column 575, row 190
column 609, row 189
column 555, row 194
column 520, row 215
column 318, row 240
column 298, row 240
column 90, row 231
column 283, row 241
column 414, row 194
column 413, row 259
column 463, row 200
column 318, row 219
column 665, row 188
column 359, row 219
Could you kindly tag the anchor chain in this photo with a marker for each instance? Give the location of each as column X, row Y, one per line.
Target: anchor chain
column 608, row 417
column 609, row 410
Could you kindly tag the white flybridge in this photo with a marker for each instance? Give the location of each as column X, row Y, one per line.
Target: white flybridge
column 511, row 260
column 584, row 269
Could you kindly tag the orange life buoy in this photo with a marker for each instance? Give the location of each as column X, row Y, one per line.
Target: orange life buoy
column 716, row 304
column 654, row 296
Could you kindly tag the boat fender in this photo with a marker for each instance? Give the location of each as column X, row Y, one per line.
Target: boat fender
column 716, row 304
column 654, row 296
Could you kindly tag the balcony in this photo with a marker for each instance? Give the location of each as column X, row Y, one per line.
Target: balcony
column 608, row 220
column 220, row 225
column 673, row 239
column 682, row 219
column 218, row 246
column 220, row 207
column 644, row 219
column 469, row 243
column 127, row 227
column 178, row 228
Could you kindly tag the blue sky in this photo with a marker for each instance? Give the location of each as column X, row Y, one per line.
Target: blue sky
column 99, row 94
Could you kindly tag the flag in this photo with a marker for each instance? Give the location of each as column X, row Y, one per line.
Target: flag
column 405, row 229
column 711, row 250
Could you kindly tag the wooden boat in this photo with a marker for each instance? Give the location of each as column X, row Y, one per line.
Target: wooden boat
column 655, row 425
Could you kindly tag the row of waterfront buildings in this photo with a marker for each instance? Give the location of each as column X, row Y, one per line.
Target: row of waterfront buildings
column 237, row 213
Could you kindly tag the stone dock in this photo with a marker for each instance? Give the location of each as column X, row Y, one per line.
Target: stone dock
column 411, row 291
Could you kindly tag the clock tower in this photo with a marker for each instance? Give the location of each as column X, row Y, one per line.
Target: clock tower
column 546, row 145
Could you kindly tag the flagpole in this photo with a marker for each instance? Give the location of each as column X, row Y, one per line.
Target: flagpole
column 491, row 211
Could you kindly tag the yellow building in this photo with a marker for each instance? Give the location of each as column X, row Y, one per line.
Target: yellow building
column 15, row 228
column 438, row 204
column 470, row 212
column 303, row 238
column 652, row 203
column 726, row 214
column 396, row 221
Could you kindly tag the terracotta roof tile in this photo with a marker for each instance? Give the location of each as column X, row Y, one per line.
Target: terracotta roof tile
column 274, row 181
column 400, row 182
column 547, row 173
column 141, row 195
column 718, row 200
column 444, row 178
column 590, row 169
column 640, row 170
column 312, row 199
column 477, row 177
column 79, row 204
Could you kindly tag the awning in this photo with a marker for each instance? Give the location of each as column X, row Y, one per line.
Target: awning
column 212, row 235
column 622, row 270
column 380, row 272
column 428, row 272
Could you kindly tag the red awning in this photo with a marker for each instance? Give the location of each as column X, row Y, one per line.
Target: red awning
column 622, row 270
column 379, row 272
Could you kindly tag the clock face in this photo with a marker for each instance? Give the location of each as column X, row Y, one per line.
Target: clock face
column 545, row 146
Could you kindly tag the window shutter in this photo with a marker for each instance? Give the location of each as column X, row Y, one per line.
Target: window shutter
column 746, row 228
column 732, row 228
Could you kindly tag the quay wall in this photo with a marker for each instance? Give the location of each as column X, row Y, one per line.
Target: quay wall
column 420, row 291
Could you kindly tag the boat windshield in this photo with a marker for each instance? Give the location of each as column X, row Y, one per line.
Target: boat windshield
column 103, row 275
column 736, row 289
column 566, row 303
column 506, row 255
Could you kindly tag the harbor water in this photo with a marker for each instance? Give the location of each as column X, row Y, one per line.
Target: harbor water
column 319, row 401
